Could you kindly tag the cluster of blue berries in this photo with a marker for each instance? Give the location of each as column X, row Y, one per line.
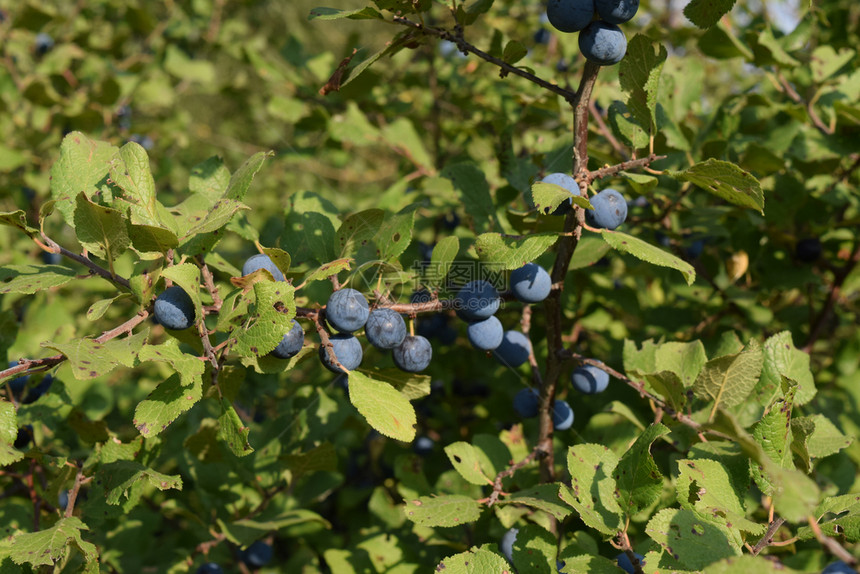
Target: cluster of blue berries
column 610, row 207
column 586, row 379
column 601, row 41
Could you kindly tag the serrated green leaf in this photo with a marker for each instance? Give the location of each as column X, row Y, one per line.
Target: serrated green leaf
column 725, row 180
column 640, row 182
column 366, row 13
column 512, row 253
column 129, row 170
column 825, row 439
column 543, row 497
column 89, row 359
column 637, row 478
column 170, row 399
column 534, row 550
column 240, row 181
column 395, row 234
column 100, row 229
column 319, row 458
column 668, row 385
column 8, row 433
column 327, row 270
column 402, row 137
column 245, row 531
column 684, row 359
column 706, row 13
column 151, row 239
column 469, row 180
column 773, row 433
column 548, row 196
column 217, row 217
column 625, row 127
column 639, row 74
column 268, row 319
column 826, row 61
column 514, row 52
column 465, row 459
column 29, row 279
column 648, row 253
column 45, row 547
column 232, row 431
column 794, row 494
column 143, row 279
column 82, row 167
column 442, row 511
column 18, row 220
column 383, row 406
column 411, row 385
column 357, row 230
column 591, row 563
column 589, row 251
column 121, row 476
column 705, row 487
column 279, row 257
column 474, row 561
column 99, row 308
column 209, row 179
column 728, row 380
column 746, row 564
column 783, row 359
column 695, row 542
column 837, row 516
column 444, row 253
column 592, row 490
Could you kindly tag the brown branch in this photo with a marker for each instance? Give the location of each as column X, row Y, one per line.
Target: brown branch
column 508, row 472
column 627, row 548
column 796, row 98
column 613, row 169
column 325, row 342
column 835, row 290
column 466, row 47
column 73, row 493
column 94, row 268
column 767, row 539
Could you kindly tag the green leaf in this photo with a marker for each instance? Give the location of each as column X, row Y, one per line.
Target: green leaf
column 474, row 561
column 695, row 543
column 444, row 511
column 593, row 564
column 639, row 74
column 706, row 13
column 593, row 488
column 246, row 530
column 783, row 359
column 512, row 253
column 668, row 385
column 470, row 181
column 773, row 433
column 746, row 564
column 209, row 179
column 384, row 407
column 825, row 439
column 327, row 270
column 18, row 220
column 29, row 279
column 100, row 229
column 543, row 497
column 465, row 459
column 725, row 180
column 648, row 253
column 357, row 230
column 121, row 476
column 46, row 547
column 366, row 13
column 403, row 138
column 279, row 257
column 728, row 380
column 837, row 516
column 395, row 234
column 795, row 494
column 589, row 251
column 232, row 431
column 826, row 61
column 637, row 477
column 129, row 170
column 319, row 458
column 8, row 433
column 444, row 254
column 265, row 325
column 548, row 196
column 534, row 550
column 411, row 385
column 89, row 359
column 625, row 127
column 241, row 180
column 705, row 487
column 684, row 359
column 151, row 239
column 99, row 308
column 514, row 52
column 170, row 399
column 83, row 166
column 187, row 276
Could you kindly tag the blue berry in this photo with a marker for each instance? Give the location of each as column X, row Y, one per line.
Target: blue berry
column 423, row 445
column 25, row 435
column 347, row 350
column 570, row 15
column 838, row 567
column 562, row 415
column 44, row 43
column 63, row 499
column 413, row 355
column 17, row 384
column 257, row 554
column 51, row 258
column 39, row 390
column 486, row 335
column 292, row 342
column 476, row 301
column 514, row 349
column 616, row 11
column 347, row 310
column 603, row 43
column 210, row 568
column 530, row 283
column 610, row 210
column 385, row 328
column 589, row 379
column 174, row 308
column 625, row 564
column 808, row 250
column 262, row 261
column 507, row 544
column 526, row 403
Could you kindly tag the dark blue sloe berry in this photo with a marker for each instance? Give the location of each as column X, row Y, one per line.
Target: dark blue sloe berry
column 292, row 342
column 25, row 435
column 210, row 568
column 838, row 567
column 44, row 43
column 562, row 415
column 589, row 379
column 257, row 554
column 174, row 308
column 530, row 283
column 476, row 301
column 63, row 499
column 514, row 349
column 423, row 445
column 610, row 210
column 808, row 250
column 486, row 335
column 39, row 390
column 526, row 403
column 625, row 564
column 507, row 544
column 385, row 328
column 413, row 355
column 603, row 43
column 347, row 350
column 262, row 261
column 347, row 310
column 51, row 258
column 616, row 11
column 570, row 15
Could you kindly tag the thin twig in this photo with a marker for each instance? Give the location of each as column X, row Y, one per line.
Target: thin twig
column 605, row 132
column 94, row 268
column 810, row 109
column 767, row 539
column 508, row 472
column 624, row 166
column 830, row 544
